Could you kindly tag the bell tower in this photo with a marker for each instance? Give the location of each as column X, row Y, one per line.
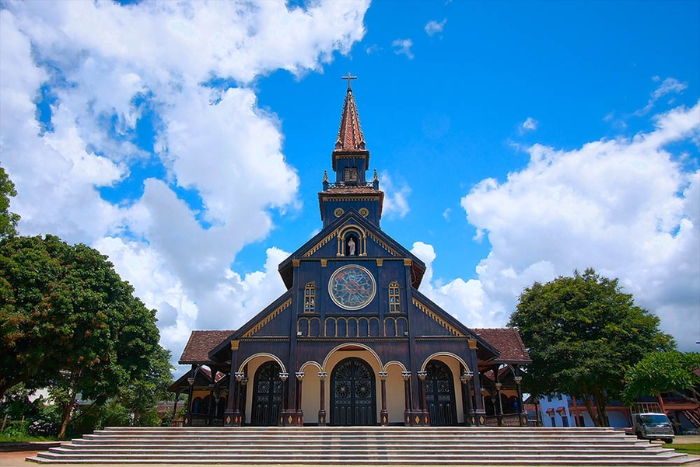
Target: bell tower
column 350, row 159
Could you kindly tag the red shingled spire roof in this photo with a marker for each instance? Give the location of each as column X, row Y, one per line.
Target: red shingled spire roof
column 350, row 137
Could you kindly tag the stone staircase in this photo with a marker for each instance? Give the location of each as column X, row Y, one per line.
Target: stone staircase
column 399, row 446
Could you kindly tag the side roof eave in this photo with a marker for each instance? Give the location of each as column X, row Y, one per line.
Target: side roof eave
column 487, row 351
column 513, row 351
column 214, row 354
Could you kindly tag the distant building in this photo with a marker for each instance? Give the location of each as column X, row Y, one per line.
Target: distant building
column 562, row 410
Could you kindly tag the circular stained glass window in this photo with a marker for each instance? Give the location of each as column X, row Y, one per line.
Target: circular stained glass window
column 352, row 287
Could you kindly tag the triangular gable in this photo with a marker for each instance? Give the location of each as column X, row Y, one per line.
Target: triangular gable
column 330, row 233
column 450, row 323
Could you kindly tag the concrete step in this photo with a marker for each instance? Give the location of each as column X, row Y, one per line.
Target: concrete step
column 362, row 446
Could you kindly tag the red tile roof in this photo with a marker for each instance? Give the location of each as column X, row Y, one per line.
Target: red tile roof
column 350, row 137
column 507, row 341
column 200, row 344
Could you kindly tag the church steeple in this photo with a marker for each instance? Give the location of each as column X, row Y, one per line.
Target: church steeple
column 350, row 137
column 350, row 164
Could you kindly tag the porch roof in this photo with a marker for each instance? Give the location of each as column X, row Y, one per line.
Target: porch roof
column 508, row 342
column 200, row 344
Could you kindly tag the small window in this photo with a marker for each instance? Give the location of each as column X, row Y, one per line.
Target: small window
column 310, row 298
column 394, row 298
column 351, row 174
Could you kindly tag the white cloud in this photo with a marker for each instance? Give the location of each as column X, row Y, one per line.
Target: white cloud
column 529, row 125
column 374, row 48
column 433, row 27
column 669, row 85
column 395, row 198
column 175, row 239
column 403, row 47
column 625, row 207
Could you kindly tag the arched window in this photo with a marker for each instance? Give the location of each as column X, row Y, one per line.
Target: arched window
column 394, row 300
column 310, row 298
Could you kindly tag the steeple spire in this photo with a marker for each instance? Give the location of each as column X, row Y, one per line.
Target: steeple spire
column 350, row 137
column 350, row 190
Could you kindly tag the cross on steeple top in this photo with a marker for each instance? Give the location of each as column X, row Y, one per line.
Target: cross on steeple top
column 349, row 77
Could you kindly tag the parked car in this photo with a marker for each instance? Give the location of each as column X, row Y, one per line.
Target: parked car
column 653, row 426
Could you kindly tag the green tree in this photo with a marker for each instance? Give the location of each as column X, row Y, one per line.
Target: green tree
column 8, row 220
column 68, row 322
column 674, row 372
column 582, row 334
column 142, row 395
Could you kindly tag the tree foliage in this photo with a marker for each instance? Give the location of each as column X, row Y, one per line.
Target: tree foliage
column 582, row 334
column 672, row 372
column 67, row 321
column 8, row 220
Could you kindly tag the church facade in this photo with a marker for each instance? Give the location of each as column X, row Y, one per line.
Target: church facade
column 352, row 341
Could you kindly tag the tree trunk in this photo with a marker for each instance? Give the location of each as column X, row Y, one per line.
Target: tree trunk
column 66, row 416
column 600, row 403
column 589, row 408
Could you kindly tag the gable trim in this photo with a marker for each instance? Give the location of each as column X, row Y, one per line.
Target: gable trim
column 382, row 244
column 320, row 244
column 435, row 317
column 268, row 318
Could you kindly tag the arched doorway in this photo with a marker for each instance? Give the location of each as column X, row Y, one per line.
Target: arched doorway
column 440, row 394
column 353, row 393
column 267, row 395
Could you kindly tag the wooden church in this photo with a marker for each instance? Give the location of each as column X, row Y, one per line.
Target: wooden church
column 352, row 341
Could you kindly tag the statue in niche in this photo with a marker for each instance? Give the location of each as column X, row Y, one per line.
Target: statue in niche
column 351, row 247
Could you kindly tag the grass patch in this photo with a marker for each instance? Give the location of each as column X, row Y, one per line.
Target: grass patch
column 686, row 448
column 22, row 438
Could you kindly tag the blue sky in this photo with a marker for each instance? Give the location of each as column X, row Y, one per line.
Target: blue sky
column 516, row 141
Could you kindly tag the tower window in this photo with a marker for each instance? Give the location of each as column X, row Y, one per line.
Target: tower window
column 350, row 174
column 310, row 298
column 394, row 298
